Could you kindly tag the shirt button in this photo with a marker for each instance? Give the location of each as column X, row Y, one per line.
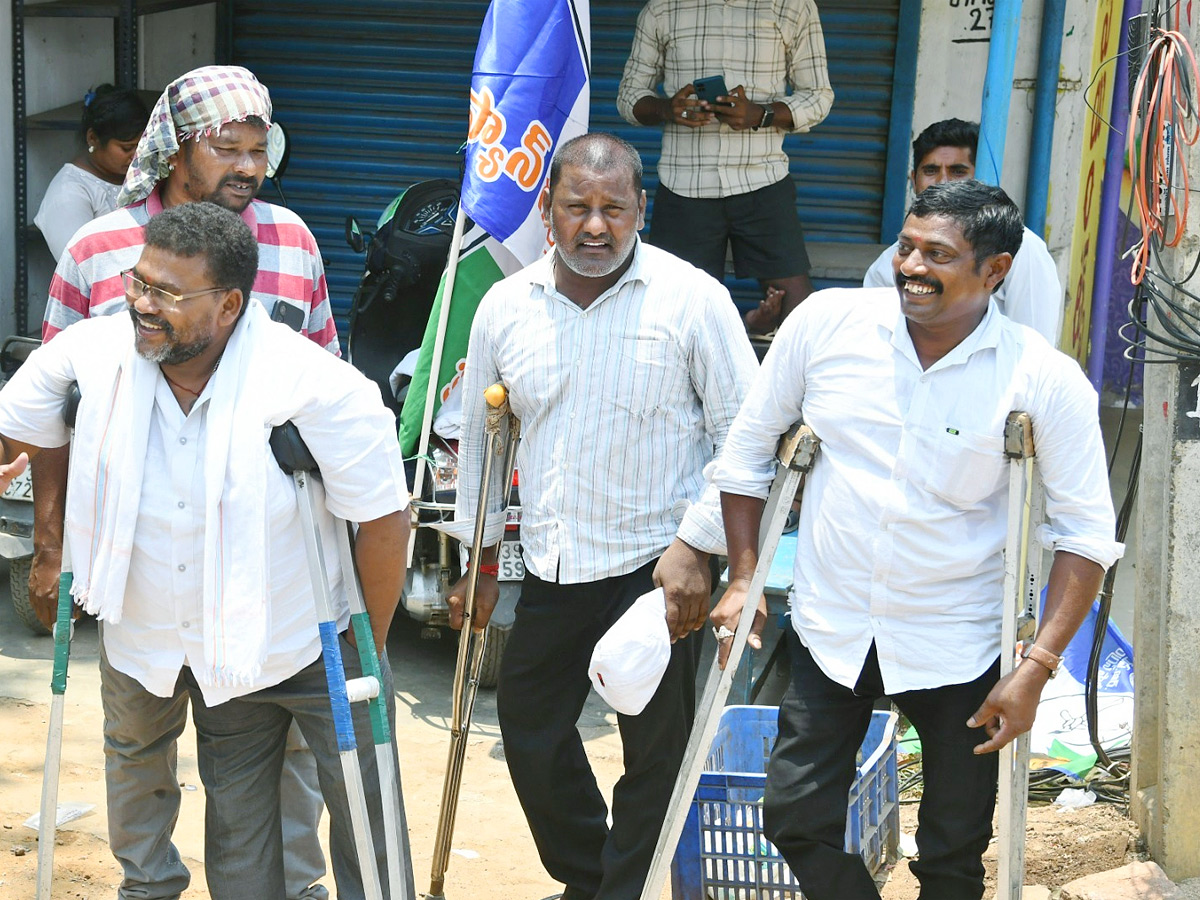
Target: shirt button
column 182, row 567
column 181, row 504
column 186, row 624
column 184, row 440
column 572, row 415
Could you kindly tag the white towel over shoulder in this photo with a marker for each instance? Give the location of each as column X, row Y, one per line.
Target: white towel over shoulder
column 112, row 430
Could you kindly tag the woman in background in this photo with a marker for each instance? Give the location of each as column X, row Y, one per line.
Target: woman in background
column 86, row 187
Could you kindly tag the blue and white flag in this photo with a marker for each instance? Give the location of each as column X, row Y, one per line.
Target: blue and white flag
column 529, row 93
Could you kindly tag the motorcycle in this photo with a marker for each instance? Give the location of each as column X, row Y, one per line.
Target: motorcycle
column 16, row 506
column 405, row 256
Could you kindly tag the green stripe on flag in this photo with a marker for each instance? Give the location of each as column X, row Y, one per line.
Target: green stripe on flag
column 477, row 271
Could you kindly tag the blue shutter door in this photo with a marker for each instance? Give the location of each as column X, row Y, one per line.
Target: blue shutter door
column 375, row 98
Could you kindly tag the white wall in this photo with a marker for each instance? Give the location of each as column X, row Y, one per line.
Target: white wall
column 950, row 75
column 65, row 57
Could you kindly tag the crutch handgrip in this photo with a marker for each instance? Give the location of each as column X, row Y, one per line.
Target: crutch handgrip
column 365, row 688
column 496, row 395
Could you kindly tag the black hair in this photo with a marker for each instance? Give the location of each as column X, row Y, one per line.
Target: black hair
column 990, row 221
column 204, row 229
column 114, row 113
column 946, row 133
column 597, row 150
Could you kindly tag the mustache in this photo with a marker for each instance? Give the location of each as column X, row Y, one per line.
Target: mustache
column 238, row 182
column 151, row 320
column 902, row 280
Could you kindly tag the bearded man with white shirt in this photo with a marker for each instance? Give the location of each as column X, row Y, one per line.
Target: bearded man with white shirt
column 186, row 537
column 899, row 568
column 625, row 366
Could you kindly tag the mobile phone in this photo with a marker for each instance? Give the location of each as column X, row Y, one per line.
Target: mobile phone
column 291, row 316
column 709, row 89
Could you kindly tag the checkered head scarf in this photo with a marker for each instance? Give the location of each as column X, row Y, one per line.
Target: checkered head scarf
column 200, row 102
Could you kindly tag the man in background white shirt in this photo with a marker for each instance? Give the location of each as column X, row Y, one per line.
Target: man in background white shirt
column 187, row 542
column 899, row 566
column 625, row 366
column 1031, row 293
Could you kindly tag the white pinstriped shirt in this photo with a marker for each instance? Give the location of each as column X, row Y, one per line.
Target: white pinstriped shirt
column 767, row 46
column 621, row 405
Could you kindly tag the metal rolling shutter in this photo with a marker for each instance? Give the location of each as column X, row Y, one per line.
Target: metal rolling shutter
column 374, row 94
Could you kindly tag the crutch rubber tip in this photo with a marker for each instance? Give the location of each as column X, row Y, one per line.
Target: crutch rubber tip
column 495, row 395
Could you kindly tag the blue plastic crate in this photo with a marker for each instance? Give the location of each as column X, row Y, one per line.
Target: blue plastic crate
column 722, row 853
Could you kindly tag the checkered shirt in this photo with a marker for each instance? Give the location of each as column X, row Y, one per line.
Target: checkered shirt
column 767, row 46
column 87, row 282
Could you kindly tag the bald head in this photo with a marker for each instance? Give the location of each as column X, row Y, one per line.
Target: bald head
column 601, row 152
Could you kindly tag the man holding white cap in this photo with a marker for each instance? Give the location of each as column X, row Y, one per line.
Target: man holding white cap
column 626, row 366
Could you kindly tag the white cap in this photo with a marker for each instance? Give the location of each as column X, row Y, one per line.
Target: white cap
column 629, row 661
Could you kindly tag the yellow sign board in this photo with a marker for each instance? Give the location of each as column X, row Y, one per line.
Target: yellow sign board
column 1077, row 320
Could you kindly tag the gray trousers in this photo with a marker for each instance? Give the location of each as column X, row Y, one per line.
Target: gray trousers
column 140, row 733
column 240, row 747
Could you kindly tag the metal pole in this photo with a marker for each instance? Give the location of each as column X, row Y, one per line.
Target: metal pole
column 1045, row 94
column 997, row 90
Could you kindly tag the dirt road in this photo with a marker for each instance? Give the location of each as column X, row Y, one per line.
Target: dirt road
column 493, row 857
column 493, row 853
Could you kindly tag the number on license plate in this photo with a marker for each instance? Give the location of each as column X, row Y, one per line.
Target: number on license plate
column 512, row 563
column 21, row 488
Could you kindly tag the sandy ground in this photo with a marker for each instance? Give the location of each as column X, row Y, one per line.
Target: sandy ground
column 493, row 857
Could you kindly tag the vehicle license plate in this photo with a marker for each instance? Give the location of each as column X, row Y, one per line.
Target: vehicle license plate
column 21, row 488
column 512, row 563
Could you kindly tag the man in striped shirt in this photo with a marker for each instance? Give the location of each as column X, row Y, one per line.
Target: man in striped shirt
column 206, row 140
column 723, row 172
column 626, row 366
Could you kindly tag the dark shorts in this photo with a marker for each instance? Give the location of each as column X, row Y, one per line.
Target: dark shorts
column 762, row 227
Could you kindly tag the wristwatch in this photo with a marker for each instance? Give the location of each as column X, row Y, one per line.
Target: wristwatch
column 768, row 117
column 1042, row 657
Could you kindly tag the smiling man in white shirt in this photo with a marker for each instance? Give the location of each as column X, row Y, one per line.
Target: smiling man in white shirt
column 1031, row 293
column 899, row 572
column 625, row 366
column 187, row 542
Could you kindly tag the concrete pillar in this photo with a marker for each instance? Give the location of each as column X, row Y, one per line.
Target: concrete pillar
column 1166, row 740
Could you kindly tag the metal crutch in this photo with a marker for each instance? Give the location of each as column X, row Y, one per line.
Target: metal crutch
column 795, row 456
column 1022, row 575
column 470, row 643
column 64, row 626
column 293, row 457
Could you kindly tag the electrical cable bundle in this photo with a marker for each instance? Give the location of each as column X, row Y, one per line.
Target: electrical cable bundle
column 1163, row 121
column 1162, row 117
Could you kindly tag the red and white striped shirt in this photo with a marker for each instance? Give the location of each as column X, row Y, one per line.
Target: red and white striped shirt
column 87, row 282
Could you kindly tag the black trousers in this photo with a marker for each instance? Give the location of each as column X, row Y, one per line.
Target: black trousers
column 542, row 689
column 821, row 726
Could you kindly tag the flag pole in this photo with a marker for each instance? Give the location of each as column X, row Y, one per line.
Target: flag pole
column 435, row 365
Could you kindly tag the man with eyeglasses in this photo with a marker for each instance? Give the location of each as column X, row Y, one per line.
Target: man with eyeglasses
column 186, row 536
column 206, row 140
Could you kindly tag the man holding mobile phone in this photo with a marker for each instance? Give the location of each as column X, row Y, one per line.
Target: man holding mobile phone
column 723, row 173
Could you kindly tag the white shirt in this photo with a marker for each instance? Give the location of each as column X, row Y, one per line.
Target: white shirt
column 73, row 198
column 775, row 49
column 1030, row 295
column 621, row 405
column 349, row 432
column 904, row 517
